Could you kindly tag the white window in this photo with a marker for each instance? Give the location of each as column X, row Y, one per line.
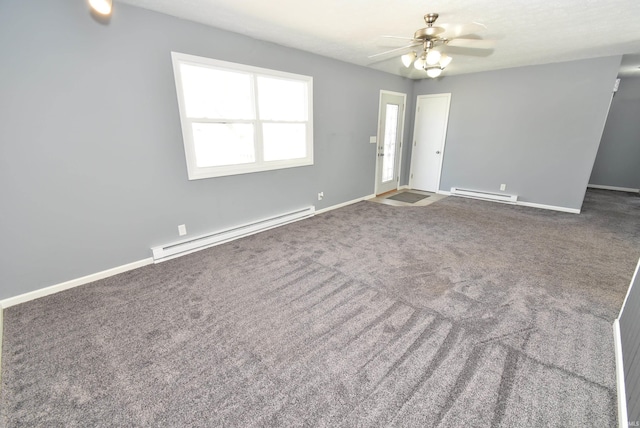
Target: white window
column 238, row 119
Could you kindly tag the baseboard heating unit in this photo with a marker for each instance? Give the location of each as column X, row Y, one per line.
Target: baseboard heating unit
column 180, row 248
column 488, row 196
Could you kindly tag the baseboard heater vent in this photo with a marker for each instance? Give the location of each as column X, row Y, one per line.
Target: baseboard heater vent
column 489, row 196
column 180, row 248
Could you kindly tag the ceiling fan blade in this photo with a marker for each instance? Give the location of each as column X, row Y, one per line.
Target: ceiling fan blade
column 393, row 41
column 393, row 51
column 457, row 51
column 472, row 43
column 452, row 31
column 397, row 37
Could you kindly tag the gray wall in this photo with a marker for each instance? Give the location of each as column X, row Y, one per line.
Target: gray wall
column 536, row 129
column 630, row 338
column 92, row 164
column 618, row 160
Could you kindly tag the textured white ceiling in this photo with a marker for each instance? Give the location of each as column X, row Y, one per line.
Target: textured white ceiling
column 527, row 31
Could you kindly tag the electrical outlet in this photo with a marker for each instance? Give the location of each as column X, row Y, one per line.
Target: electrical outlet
column 182, row 230
column 503, row 187
column 320, row 196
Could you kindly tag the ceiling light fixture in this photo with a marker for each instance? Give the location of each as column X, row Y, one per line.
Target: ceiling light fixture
column 431, row 61
column 434, row 39
column 433, row 57
column 433, row 71
column 103, row 7
column 407, row 59
column 445, row 60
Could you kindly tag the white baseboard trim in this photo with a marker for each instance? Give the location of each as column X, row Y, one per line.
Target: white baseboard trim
column 172, row 250
column 633, row 281
column 1, row 334
column 622, row 395
column 11, row 301
column 32, row 295
column 528, row 204
column 549, row 207
column 344, row 204
column 406, row 186
column 615, row 188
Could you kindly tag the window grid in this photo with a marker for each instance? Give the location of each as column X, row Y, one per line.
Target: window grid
column 210, row 150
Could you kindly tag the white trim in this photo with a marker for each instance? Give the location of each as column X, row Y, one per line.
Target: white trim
column 344, row 204
column 481, row 194
column 259, row 164
column 633, row 279
column 447, row 95
column 528, row 204
column 379, row 138
column 183, row 247
column 549, row 207
column 404, row 187
column 56, row 288
column 622, row 395
column 615, row 188
column 1, row 337
column 22, row 298
column 617, row 341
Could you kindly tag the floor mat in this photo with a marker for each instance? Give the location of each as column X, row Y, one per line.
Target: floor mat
column 408, row 197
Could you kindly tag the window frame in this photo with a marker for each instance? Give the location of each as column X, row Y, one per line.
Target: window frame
column 194, row 171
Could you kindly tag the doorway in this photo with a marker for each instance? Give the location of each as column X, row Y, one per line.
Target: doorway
column 429, row 138
column 389, row 140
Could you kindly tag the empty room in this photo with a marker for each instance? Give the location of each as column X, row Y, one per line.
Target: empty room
column 329, row 214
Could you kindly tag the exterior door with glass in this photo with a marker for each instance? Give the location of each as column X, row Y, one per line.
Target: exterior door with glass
column 389, row 141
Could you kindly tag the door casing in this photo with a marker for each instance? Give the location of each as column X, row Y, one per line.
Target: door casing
column 380, row 141
column 437, row 130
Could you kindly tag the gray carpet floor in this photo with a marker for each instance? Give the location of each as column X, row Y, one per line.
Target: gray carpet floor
column 461, row 313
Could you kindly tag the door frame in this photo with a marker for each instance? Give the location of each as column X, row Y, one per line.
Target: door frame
column 444, row 142
column 379, row 137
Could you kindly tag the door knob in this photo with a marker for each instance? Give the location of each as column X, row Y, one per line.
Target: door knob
column 438, row 152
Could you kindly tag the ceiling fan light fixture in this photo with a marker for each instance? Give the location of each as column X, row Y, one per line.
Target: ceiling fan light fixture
column 420, row 63
column 407, row 59
column 434, row 39
column 434, row 72
column 103, row 7
column 433, row 57
column 445, row 60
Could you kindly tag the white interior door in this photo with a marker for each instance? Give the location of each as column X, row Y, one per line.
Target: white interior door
column 429, row 137
column 389, row 140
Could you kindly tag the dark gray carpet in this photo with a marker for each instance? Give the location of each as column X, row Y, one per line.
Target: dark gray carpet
column 462, row 313
column 408, row 197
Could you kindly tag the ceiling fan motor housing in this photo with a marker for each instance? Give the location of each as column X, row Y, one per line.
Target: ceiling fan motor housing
column 430, row 18
column 432, row 38
column 428, row 33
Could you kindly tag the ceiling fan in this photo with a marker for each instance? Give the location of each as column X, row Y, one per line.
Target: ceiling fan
column 433, row 39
